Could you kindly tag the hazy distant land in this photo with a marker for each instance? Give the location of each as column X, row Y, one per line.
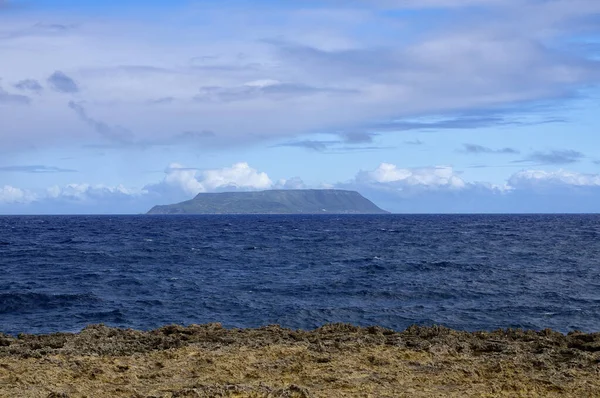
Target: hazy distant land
column 300, row 201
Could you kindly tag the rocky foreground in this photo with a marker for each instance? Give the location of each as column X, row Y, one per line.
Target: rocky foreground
column 333, row 361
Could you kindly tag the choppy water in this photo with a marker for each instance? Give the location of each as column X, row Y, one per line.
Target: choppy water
column 465, row 272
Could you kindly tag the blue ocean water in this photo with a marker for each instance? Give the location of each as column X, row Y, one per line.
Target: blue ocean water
column 470, row 272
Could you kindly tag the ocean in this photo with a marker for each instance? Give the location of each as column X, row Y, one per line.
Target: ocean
column 468, row 272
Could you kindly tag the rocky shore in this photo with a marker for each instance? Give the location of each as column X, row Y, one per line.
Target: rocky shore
column 333, row 361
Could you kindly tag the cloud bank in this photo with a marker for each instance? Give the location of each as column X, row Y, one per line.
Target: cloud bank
column 435, row 189
column 278, row 69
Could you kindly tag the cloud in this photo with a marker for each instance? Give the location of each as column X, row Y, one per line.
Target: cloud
column 331, row 146
column 357, row 137
column 441, row 189
column 336, row 79
column 478, row 149
column 554, row 157
column 35, row 169
column 29, row 85
column 7, row 98
column 190, row 182
column 353, row 138
column 87, row 192
column 38, row 30
column 427, row 177
column 414, row 142
column 269, row 89
column 116, row 134
column 179, row 183
column 460, row 122
column 540, row 179
column 161, row 101
column 292, row 183
column 411, row 182
column 188, row 138
column 53, row 27
column 60, row 82
column 420, row 4
column 435, row 189
column 12, row 195
column 314, row 145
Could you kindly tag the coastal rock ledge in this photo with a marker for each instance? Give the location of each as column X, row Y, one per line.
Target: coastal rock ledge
column 336, row 360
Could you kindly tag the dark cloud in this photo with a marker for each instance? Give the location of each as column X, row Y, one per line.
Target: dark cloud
column 357, row 137
column 62, row 83
column 314, row 145
column 216, row 64
column 188, row 138
column 274, row 91
column 473, row 119
column 350, row 149
column 493, row 166
column 38, row 29
column 566, row 156
column 352, row 138
column 137, row 69
column 228, row 68
column 35, row 169
column 333, row 146
column 478, row 149
column 116, row 134
column 458, row 123
column 8, row 98
column 375, row 62
column 29, row 85
column 160, row 101
column 53, row 27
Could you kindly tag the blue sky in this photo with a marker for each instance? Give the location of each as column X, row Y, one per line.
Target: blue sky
column 422, row 106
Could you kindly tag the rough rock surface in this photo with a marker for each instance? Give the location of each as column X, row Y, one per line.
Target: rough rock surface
column 333, row 361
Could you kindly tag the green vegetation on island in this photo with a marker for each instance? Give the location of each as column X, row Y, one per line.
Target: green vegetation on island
column 299, row 201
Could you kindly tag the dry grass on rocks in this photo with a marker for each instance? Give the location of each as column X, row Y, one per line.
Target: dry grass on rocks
column 332, row 361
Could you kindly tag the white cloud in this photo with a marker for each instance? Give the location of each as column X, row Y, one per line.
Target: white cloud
column 180, row 183
column 238, row 176
column 439, row 177
column 291, row 183
column 183, row 178
column 425, row 189
column 412, row 182
column 83, row 192
column 11, row 195
column 191, row 181
column 535, row 179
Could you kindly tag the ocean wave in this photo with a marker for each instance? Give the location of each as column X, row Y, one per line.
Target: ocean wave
column 26, row 302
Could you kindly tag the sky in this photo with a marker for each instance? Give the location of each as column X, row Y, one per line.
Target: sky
column 429, row 106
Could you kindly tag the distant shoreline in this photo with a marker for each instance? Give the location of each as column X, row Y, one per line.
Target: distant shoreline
column 6, row 339
column 293, row 214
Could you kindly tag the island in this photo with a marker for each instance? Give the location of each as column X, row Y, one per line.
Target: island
column 284, row 201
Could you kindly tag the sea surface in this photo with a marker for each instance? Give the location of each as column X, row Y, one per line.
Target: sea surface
column 470, row 272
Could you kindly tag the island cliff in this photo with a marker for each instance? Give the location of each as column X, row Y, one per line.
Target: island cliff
column 300, row 201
